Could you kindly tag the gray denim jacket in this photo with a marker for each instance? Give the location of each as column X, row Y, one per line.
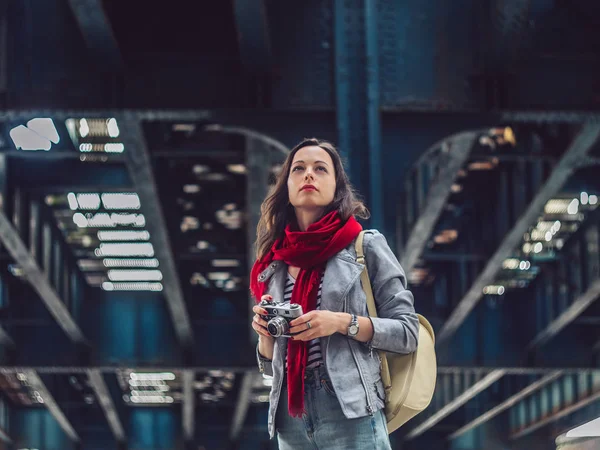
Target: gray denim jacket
column 353, row 366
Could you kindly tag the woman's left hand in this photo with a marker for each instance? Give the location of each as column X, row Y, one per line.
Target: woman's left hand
column 322, row 323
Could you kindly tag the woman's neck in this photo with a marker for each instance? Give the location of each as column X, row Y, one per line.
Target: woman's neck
column 306, row 218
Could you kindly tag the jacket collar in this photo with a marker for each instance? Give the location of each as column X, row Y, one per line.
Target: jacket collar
column 341, row 271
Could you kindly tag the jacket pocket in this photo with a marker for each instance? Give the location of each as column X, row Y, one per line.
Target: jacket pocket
column 328, row 387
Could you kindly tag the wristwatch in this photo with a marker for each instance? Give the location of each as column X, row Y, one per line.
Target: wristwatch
column 353, row 327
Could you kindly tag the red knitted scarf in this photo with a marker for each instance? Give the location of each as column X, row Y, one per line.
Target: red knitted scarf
column 309, row 250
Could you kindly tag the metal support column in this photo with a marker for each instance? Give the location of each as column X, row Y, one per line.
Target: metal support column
column 373, row 114
column 189, row 405
column 242, row 405
column 141, row 172
column 106, row 403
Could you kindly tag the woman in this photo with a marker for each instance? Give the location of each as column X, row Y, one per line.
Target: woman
column 327, row 391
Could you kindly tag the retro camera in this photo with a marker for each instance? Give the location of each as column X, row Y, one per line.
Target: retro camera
column 279, row 316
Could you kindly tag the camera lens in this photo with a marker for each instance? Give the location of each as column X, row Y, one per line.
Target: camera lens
column 278, row 326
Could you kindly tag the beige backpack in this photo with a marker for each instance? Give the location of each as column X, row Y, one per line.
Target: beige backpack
column 409, row 380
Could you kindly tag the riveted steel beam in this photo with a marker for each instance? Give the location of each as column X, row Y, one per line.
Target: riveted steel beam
column 140, row 169
column 97, row 32
column 242, row 405
column 455, row 151
column 189, row 405
column 586, row 138
column 567, row 316
column 563, row 412
column 98, row 384
column 37, row 384
column 5, row 437
column 508, row 403
column 588, row 286
column 37, row 277
column 456, row 403
column 253, row 35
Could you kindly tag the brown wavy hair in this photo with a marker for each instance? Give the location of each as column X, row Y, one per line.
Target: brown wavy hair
column 277, row 212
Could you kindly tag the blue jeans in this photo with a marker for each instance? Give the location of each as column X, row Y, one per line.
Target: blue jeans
column 324, row 426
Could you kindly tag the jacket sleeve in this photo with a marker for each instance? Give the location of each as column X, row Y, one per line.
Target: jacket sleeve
column 396, row 329
column 265, row 365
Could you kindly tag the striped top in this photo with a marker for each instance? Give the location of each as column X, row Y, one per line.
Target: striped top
column 315, row 357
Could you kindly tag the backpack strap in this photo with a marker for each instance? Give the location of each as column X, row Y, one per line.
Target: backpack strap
column 366, row 285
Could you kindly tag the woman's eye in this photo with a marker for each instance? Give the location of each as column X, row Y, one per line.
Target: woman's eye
column 322, row 168
column 297, row 167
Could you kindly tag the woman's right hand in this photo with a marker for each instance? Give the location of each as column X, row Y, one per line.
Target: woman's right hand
column 258, row 323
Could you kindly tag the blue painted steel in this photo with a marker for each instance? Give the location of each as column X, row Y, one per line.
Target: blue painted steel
column 357, row 97
column 36, row 428
column 343, row 84
column 373, row 113
column 568, row 401
column 301, row 35
column 153, row 428
column 253, row 35
column 427, row 50
column 132, row 328
column 98, row 34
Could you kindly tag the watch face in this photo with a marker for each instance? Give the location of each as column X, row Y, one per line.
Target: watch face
column 353, row 330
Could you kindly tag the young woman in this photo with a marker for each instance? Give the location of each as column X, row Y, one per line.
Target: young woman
column 327, row 391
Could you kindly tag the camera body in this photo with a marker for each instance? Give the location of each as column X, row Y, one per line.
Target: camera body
column 279, row 315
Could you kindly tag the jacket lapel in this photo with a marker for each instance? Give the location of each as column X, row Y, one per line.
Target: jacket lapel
column 340, row 273
column 277, row 281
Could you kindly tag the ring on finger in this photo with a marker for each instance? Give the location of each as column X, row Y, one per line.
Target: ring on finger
column 308, row 325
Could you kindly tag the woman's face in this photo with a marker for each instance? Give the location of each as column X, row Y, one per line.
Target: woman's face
column 311, row 182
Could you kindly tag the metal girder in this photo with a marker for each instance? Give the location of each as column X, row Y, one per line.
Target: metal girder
column 456, row 403
column 258, row 163
column 189, row 405
column 456, row 150
column 243, row 370
column 556, row 116
column 556, row 415
column 5, row 437
column 251, row 134
column 373, row 113
column 139, row 114
column 545, row 116
column 140, row 169
column 510, row 19
column 583, row 142
column 3, row 47
column 98, row 384
column 38, row 385
column 508, row 403
column 253, row 35
column 39, row 280
column 5, row 339
column 97, row 32
column 242, row 405
column 567, row 316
